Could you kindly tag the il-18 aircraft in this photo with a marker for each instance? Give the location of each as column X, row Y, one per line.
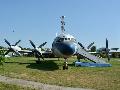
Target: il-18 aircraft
column 65, row 46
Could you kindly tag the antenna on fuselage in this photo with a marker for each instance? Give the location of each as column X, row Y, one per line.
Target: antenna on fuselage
column 62, row 24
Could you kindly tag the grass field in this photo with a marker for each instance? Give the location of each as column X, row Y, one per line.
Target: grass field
column 4, row 86
column 50, row 72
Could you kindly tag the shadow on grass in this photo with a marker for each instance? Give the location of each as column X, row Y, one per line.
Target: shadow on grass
column 71, row 65
column 46, row 65
column 18, row 62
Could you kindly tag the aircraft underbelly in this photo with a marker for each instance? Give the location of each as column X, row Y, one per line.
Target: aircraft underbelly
column 59, row 54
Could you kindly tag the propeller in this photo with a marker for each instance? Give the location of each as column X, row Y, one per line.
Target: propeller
column 32, row 44
column 7, row 42
column 17, row 53
column 81, row 45
column 17, row 42
column 11, row 48
column 107, row 50
column 38, row 54
column 89, row 46
column 42, row 45
column 7, row 52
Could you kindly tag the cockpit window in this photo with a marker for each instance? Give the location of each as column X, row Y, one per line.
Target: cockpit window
column 65, row 39
column 59, row 39
column 72, row 39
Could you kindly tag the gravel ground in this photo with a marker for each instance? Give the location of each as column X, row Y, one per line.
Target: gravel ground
column 35, row 85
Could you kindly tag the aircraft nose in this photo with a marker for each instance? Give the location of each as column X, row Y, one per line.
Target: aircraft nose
column 67, row 48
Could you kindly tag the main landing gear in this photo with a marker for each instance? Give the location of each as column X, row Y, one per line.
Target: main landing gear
column 38, row 61
column 65, row 66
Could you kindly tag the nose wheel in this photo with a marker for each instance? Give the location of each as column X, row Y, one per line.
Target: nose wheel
column 65, row 66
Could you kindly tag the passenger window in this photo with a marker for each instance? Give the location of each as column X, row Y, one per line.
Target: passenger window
column 65, row 38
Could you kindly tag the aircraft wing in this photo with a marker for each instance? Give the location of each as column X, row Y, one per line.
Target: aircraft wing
column 94, row 53
column 90, row 56
column 25, row 51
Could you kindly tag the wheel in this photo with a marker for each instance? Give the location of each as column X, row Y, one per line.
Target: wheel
column 38, row 62
column 63, row 67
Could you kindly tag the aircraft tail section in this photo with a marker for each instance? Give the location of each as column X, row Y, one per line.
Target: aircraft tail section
column 90, row 56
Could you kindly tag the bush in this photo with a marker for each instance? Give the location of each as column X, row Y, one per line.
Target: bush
column 2, row 58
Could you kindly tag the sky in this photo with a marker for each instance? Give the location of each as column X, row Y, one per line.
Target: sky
column 39, row 20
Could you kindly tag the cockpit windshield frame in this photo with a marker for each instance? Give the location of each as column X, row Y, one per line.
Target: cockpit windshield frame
column 59, row 39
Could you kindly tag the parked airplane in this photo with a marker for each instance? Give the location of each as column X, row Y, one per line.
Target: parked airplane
column 105, row 50
column 15, row 49
column 65, row 45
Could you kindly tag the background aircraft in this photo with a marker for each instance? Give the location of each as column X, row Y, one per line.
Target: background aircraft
column 105, row 50
column 13, row 48
column 16, row 50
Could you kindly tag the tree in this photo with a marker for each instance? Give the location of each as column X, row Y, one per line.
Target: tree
column 2, row 58
column 1, row 47
column 93, row 49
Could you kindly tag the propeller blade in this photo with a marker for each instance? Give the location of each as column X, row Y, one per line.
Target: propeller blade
column 108, row 56
column 106, row 43
column 107, row 50
column 81, row 45
column 32, row 44
column 17, row 53
column 42, row 45
column 42, row 57
column 89, row 46
column 38, row 54
column 7, row 42
column 7, row 52
column 17, row 42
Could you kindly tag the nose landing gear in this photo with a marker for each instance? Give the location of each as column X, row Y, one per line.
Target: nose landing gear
column 65, row 66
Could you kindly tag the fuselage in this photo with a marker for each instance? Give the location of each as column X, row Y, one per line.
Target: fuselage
column 64, row 45
column 16, row 48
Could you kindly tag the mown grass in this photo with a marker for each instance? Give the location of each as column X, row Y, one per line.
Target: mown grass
column 4, row 86
column 50, row 72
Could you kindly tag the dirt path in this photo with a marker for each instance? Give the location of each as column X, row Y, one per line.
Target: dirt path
column 35, row 85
